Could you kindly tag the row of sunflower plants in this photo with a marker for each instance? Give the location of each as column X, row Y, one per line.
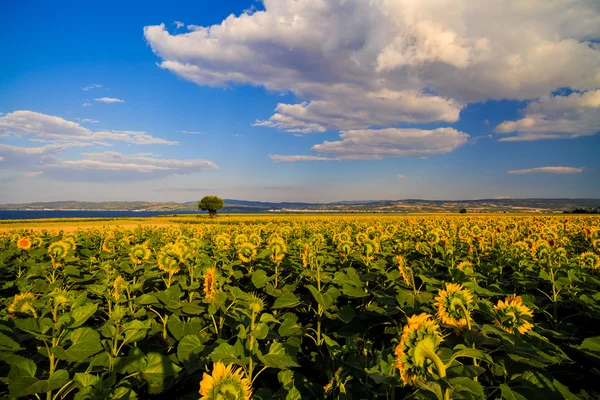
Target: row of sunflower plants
column 306, row 307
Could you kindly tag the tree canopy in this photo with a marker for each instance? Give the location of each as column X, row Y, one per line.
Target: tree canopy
column 211, row 204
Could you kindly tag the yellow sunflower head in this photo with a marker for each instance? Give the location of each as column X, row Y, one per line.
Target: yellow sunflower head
column 71, row 240
column 561, row 256
column 596, row 245
column 432, row 237
column 239, row 239
column 420, row 335
column 139, row 253
column 109, row 243
column 210, row 283
column 221, row 241
column 512, row 315
column 278, row 249
column 589, row 260
column 168, row 259
column 255, row 239
column 246, row 252
column 465, row 266
column 450, row 303
column 58, row 250
column 345, row 248
column 24, row 243
column 225, row 382
column 22, row 304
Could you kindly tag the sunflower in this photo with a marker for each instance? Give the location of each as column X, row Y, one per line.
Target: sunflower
column 22, row 304
column 58, row 250
column 60, row 296
column 560, row 255
column 449, row 303
column 109, row 244
column 239, row 239
column 139, row 253
column 168, row 259
column 541, row 250
column 512, row 315
column 589, row 260
column 210, row 283
column 432, row 237
column 404, row 270
column 255, row 303
column 221, row 241
column 118, row 285
column 71, row 240
column 246, row 252
column 278, row 250
column 225, row 382
column 255, row 239
column 369, row 248
column 420, row 338
column 24, row 243
column 596, row 245
column 465, row 266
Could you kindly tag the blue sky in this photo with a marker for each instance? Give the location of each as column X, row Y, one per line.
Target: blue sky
column 299, row 101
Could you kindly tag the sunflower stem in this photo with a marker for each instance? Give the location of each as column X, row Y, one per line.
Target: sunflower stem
column 439, row 366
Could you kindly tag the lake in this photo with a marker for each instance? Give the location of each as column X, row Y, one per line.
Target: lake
column 25, row 214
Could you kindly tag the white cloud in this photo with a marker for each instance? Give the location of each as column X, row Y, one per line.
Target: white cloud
column 278, row 158
column 1, row 158
column 87, row 120
column 392, row 142
column 401, row 176
column 547, row 170
column 32, row 174
column 131, row 137
column 110, row 100
column 42, row 127
column 359, row 64
column 556, row 117
column 86, row 104
column 92, row 86
column 33, row 124
column 139, row 164
column 98, row 166
column 348, row 107
column 178, row 24
column 193, row 132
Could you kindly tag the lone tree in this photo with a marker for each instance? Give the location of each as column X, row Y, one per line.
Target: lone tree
column 211, row 204
column 463, row 211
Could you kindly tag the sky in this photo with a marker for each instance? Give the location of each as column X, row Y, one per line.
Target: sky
column 299, row 100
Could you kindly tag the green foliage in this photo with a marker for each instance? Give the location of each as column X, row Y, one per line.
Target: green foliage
column 320, row 317
column 211, row 204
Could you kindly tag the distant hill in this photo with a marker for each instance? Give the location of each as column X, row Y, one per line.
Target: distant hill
column 387, row 206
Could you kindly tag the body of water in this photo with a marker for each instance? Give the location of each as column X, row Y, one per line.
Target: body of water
column 22, row 214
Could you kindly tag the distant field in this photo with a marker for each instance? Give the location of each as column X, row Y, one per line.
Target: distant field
column 71, row 224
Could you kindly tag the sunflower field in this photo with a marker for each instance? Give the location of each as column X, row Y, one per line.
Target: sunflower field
column 340, row 307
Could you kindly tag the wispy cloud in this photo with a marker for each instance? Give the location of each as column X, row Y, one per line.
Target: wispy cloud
column 180, row 189
column 547, row 170
column 92, row 86
column 278, row 158
column 87, row 120
column 556, row 117
column 401, row 176
column 110, row 100
column 193, row 132
column 32, row 174
column 86, row 104
column 178, row 24
column 43, row 127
